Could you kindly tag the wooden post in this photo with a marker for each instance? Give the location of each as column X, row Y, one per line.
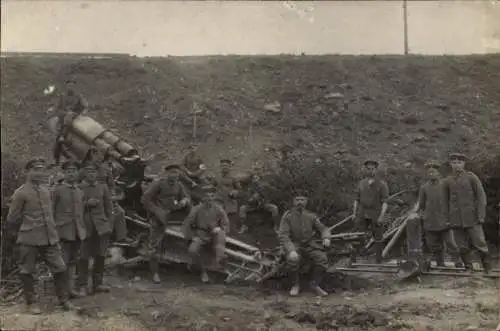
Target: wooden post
column 405, row 26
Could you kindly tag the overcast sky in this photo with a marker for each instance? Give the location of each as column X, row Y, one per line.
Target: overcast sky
column 157, row 28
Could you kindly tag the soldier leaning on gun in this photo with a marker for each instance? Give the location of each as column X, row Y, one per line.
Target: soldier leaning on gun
column 437, row 232
column 67, row 202
column 370, row 206
column 207, row 223
column 97, row 217
column 31, row 219
column 296, row 234
column 71, row 104
column 162, row 197
column 465, row 211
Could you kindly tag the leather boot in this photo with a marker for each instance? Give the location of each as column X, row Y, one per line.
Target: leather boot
column 378, row 251
column 153, row 267
column 466, row 258
column 486, row 262
column 83, row 276
column 61, row 287
column 98, row 275
column 29, row 294
column 295, row 290
column 316, row 281
column 439, row 258
column 72, row 289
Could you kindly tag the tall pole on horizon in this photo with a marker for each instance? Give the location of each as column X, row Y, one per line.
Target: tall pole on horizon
column 405, row 26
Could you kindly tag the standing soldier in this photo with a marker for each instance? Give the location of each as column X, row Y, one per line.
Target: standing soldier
column 229, row 187
column 31, row 218
column 296, row 233
column 207, row 223
column 465, row 210
column 162, row 197
column 256, row 202
column 67, row 201
column 370, row 205
column 430, row 207
column 97, row 217
column 193, row 164
column 71, row 104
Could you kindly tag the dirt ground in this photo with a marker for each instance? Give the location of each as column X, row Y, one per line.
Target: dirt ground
column 402, row 110
column 181, row 303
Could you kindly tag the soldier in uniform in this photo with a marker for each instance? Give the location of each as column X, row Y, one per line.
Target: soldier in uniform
column 296, row 233
column 256, row 202
column 229, row 187
column 163, row 196
column 465, row 209
column 31, row 218
column 370, row 205
column 207, row 223
column 71, row 104
column 97, row 217
column 437, row 232
column 193, row 164
column 67, row 202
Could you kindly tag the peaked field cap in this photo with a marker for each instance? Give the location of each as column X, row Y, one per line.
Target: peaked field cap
column 371, row 161
column 432, row 164
column 69, row 164
column 300, row 193
column 208, row 189
column 226, row 161
column 35, row 162
column 90, row 166
column 169, row 167
column 458, row 156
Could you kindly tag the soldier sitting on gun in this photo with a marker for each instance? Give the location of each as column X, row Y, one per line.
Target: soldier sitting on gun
column 296, row 233
column 71, row 104
column 98, row 211
column 207, row 223
column 429, row 207
column 67, row 201
column 257, row 202
column 31, row 219
column 163, row 196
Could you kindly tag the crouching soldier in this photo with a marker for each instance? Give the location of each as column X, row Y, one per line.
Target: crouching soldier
column 437, row 232
column 67, row 201
column 370, row 206
column 207, row 223
column 97, row 217
column 162, row 197
column 31, row 218
column 296, row 234
column 257, row 202
column 465, row 210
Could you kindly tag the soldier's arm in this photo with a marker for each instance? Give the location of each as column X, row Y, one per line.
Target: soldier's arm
column 480, row 197
column 107, row 202
column 236, row 184
column 188, row 224
column 420, row 204
column 148, row 196
column 357, row 197
column 321, row 228
column 446, row 199
column 384, row 195
column 184, row 194
column 284, row 234
column 54, row 195
column 15, row 211
column 224, row 220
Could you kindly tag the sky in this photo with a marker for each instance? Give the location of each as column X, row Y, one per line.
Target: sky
column 161, row 28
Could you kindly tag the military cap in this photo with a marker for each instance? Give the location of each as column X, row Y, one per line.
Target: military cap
column 208, row 189
column 458, row 156
column 300, row 193
column 69, row 81
column 371, row 161
column 69, row 164
column 171, row 167
column 226, row 161
column 432, row 164
column 35, row 162
column 90, row 166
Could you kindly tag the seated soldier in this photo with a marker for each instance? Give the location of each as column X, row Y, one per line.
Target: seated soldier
column 207, row 223
column 296, row 234
column 193, row 164
column 257, row 202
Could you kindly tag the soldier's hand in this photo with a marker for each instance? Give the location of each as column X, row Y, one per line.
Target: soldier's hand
column 216, row 230
column 481, row 221
column 326, row 242
column 293, row 256
column 92, row 202
column 60, row 139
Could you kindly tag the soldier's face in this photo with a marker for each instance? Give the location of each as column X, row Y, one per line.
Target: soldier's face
column 457, row 165
column 300, row 202
column 172, row 178
column 209, row 197
column 37, row 173
column 371, row 170
column 433, row 173
column 70, row 174
column 91, row 175
column 225, row 168
column 193, row 148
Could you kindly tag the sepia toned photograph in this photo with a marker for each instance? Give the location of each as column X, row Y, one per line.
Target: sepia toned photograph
column 250, row 165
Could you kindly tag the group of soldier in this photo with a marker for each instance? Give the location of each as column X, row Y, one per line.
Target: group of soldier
column 72, row 221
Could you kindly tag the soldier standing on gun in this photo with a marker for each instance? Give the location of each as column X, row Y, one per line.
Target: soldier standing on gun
column 465, row 210
column 67, row 201
column 296, row 234
column 162, row 197
column 97, row 217
column 429, row 208
column 370, row 206
column 31, row 218
column 207, row 223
